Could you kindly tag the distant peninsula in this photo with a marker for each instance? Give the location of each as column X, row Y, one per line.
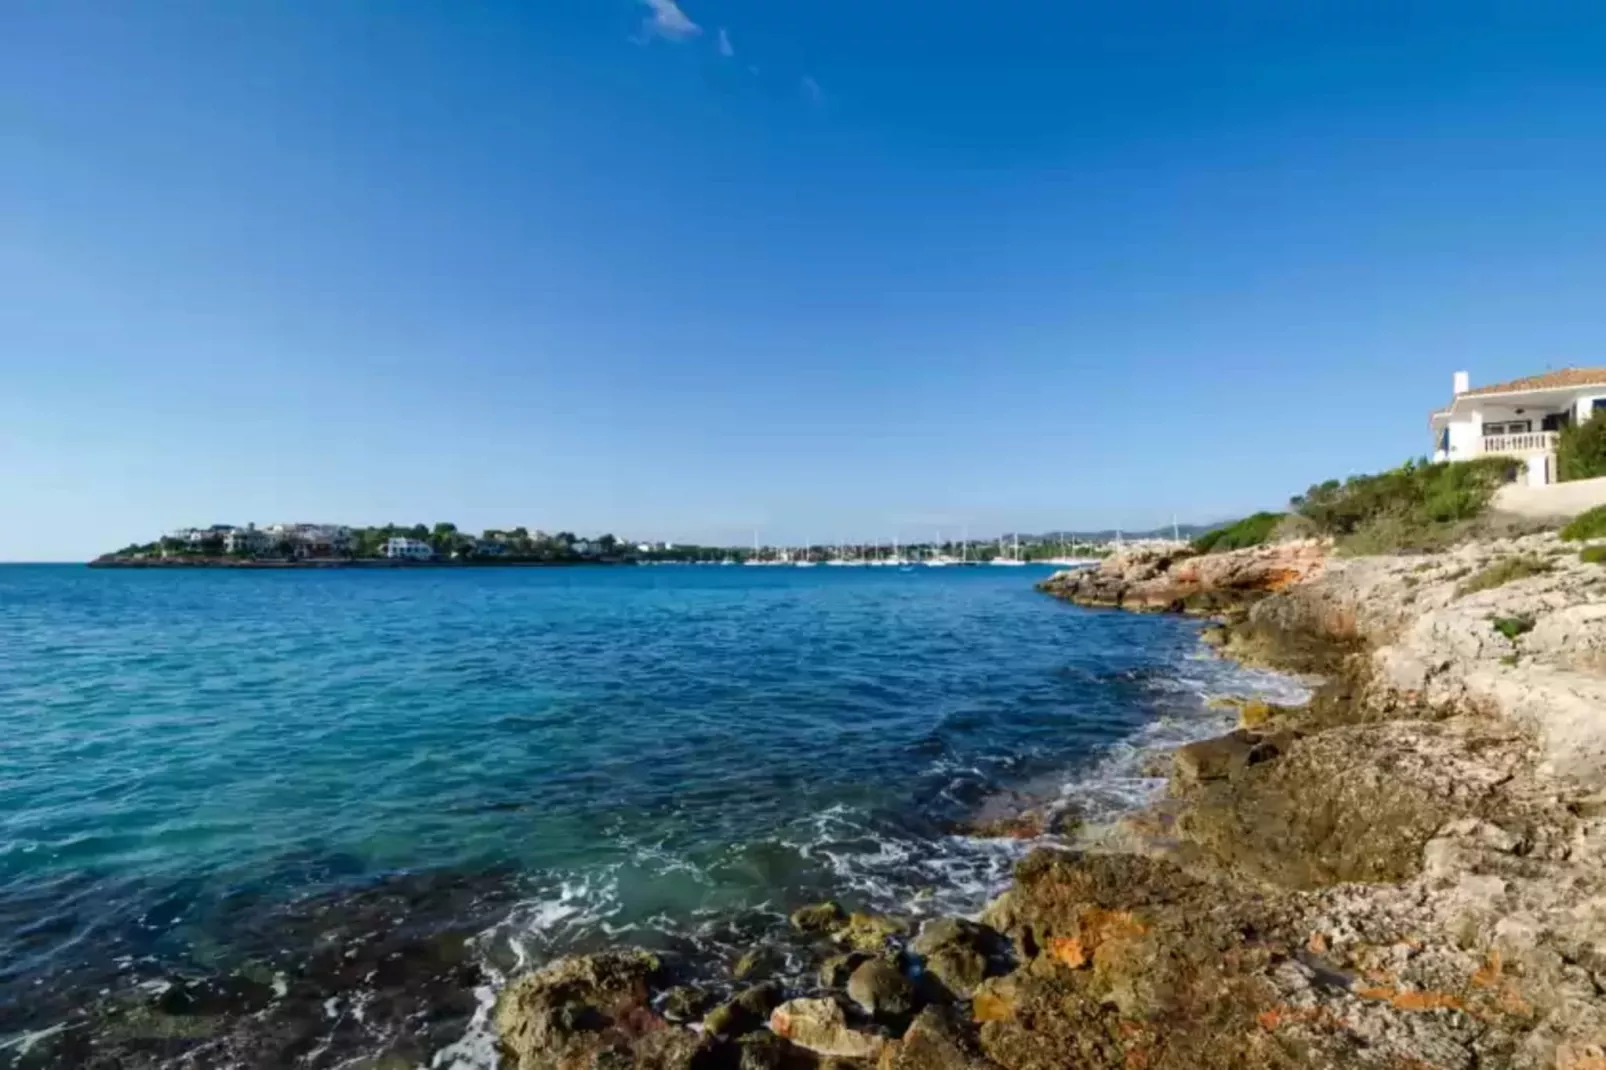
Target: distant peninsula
column 317, row 545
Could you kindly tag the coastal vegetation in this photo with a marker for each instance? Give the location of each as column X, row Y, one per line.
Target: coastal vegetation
column 1415, row 507
column 1590, row 524
column 1581, row 450
column 1593, row 555
column 1250, row 531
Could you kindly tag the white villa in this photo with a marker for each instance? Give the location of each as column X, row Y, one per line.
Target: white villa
column 1517, row 419
column 414, row 549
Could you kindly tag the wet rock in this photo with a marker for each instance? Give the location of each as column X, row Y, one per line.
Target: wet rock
column 766, row 1051
column 684, row 1003
column 835, row 971
column 870, row 933
column 747, row 1012
column 820, row 1026
column 881, row 990
column 756, row 963
column 577, row 1008
column 818, row 917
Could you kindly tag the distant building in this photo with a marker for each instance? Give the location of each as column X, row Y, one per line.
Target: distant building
column 247, row 540
column 489, row 548
column 1521, row 419
column 401, row 546
column 314, row 540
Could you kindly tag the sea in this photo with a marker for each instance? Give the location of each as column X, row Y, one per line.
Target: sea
column 318, row 818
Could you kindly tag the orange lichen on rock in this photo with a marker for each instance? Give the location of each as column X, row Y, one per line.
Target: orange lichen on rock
column 1412, row 999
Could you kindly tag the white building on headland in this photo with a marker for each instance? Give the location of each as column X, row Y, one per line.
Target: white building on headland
column 247, row 540
column 412, row 549
column 1518, row 419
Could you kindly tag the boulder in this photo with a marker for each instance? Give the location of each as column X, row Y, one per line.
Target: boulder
column 820, row 1026
column 934, row 1041
column 576, row 1008
column 959, row 970
column 870, row 933
column 756, row 963
column 1225, row 756
column 958, row 953
column 744, row 1013
column 835, row 971
column 881, row 990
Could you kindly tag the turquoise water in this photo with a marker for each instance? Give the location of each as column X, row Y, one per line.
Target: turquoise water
column 214, row 775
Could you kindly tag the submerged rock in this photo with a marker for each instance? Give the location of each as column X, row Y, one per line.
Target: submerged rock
column 684, row 1003
column 820, row 1026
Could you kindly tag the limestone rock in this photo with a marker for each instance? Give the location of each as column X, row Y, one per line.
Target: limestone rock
column 576, row 1007
column 820, row 1026
column 744, row 1013
column 934, row 1041
column 958, row 953
column 835, row 971
column 1223, row 756
column 818, row 917
column 881, row 990
column 870, row 933
column 1176, row 580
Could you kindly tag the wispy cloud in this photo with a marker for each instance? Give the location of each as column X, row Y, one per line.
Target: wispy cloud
column 669, row 21
column 725, row 47
column 812, row 88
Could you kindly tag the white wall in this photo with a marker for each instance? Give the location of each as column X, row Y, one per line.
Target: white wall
column 1556, row 500
column 1464, row 437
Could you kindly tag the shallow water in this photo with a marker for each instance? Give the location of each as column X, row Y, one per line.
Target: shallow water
column 215, row 774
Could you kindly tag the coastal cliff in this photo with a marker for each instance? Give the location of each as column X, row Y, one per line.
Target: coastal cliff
column 1406, row 872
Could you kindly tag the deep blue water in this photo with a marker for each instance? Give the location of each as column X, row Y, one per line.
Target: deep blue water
column 583, row 755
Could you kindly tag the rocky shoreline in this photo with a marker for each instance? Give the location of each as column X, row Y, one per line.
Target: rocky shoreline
column 1406, row 872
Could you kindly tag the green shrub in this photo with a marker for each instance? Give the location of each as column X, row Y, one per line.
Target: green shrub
column 1417, row 506
column 1586, row 525
column 1250, row 531
column 1581, row 450
column 1503, row 572
column 1593, row 555
column 1511, row 627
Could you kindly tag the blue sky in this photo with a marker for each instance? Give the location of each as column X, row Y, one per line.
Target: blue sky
column 841, row 270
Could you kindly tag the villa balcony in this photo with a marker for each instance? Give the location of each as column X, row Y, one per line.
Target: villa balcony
column 1519, row 445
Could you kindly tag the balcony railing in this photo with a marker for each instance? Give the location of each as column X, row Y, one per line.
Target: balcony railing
column 1531, row 442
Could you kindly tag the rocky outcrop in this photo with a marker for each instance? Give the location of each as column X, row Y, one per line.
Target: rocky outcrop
column 1410, row 871
column 1181, row 580
column 820, row 1026
column 575, row 1010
